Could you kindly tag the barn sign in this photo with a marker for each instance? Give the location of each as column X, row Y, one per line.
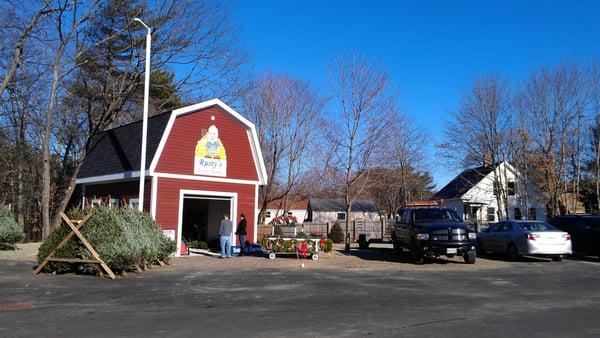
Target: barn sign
column 210, row 158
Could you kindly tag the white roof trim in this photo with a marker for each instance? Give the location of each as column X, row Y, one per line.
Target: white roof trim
column 254, row 143
column 110, row 177
column 204, row 178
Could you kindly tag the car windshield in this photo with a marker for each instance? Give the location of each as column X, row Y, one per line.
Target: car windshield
column 425, row 215
column 536, row 226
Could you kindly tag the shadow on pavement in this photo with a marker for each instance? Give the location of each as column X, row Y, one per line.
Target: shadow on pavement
column 390, row 255
column 581, row 258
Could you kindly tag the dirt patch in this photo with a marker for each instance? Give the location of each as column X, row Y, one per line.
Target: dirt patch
column 377, row 259
column 23, row 252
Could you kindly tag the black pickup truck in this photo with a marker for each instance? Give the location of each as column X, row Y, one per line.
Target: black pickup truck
column 433, row 232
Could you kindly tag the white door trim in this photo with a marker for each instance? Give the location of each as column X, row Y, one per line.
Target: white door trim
column 232, row 210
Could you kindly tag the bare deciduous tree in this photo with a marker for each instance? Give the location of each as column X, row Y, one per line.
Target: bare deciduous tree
column 477, row 132
column 551, row 102
column 366, row 107
column 286, row 113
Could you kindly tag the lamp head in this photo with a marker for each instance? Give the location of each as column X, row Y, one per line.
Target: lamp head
column 142, row 22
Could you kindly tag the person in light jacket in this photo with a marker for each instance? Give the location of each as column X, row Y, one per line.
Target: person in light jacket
column 241, row 232
column 225, row 239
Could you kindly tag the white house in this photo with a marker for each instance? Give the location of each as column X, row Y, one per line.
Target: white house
column 471, row 195
column 330, row 210
column 296, row 207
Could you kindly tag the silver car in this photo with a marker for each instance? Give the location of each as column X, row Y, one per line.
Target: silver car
column 532, row 238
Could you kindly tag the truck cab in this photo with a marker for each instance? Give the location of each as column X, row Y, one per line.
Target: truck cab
column 433, row 232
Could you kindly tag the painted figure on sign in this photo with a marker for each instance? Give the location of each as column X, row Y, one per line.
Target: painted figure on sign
column 210, row 146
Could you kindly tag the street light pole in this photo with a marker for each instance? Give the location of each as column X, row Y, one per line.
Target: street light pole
column 145, row 117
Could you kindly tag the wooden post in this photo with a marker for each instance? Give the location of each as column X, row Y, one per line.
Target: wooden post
column 327, row 228
column 353, row 230
column 88, row 246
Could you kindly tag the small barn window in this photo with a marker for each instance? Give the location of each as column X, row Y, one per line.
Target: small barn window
column 114, row 202
column 290, row 213
column 267, row 214
column 341, row 216
column 96, row 202
column 134, row 203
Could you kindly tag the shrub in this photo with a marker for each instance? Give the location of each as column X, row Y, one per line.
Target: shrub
column 336, row 233
column 121, row 236
column 75, row 213
column 198, row 245
column 10, row 232
column 301, row 234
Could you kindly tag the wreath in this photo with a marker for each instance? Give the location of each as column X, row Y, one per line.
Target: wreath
column 266, row 243
column 277, row 245
column 323, row 245
column 288, row 246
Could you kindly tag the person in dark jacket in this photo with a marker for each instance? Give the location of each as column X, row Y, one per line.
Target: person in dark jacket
column 241, row 232
column 225, row 235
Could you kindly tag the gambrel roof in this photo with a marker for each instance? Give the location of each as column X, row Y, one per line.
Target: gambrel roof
column 115, row 153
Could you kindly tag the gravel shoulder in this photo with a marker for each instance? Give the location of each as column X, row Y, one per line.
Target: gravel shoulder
column 23, row 252
column 378, row 258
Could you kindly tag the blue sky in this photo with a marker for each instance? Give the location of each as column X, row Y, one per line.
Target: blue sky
column 432, row 49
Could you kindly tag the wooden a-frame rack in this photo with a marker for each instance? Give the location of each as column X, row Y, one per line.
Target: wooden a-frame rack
column 75, row 232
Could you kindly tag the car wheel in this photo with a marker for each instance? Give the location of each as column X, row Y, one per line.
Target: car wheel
column 417, row 255
column 558, row 258
column 470, row 257
column 512, row 252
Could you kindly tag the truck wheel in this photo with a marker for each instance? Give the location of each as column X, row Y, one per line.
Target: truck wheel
column 417, row 255
column 396, row 245
column 470, row 257
column 272, row 255
column 558, row 258
column 512, row 252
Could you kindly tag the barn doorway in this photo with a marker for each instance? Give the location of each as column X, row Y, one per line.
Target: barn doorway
column 201, row 218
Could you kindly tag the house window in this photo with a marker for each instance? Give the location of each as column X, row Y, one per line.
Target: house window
column 290, row 213
column 134, row 203
column 341, row 216
column 491, row 214
column 267, row 214
column 96, row 202
column 531, row 215
column 114, row 202
column 518, row 213
column 511, row 188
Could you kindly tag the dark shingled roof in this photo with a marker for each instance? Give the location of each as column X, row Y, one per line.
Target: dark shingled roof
column 463, row 182
column 339, row 204
column 117, row 150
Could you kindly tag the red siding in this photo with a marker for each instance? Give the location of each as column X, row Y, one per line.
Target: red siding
column 167, row 203
column 178, row 154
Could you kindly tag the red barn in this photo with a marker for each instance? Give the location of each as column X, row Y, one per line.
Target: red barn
column 203, row 160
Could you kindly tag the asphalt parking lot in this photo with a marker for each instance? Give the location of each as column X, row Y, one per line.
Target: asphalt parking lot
column 199, row 297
